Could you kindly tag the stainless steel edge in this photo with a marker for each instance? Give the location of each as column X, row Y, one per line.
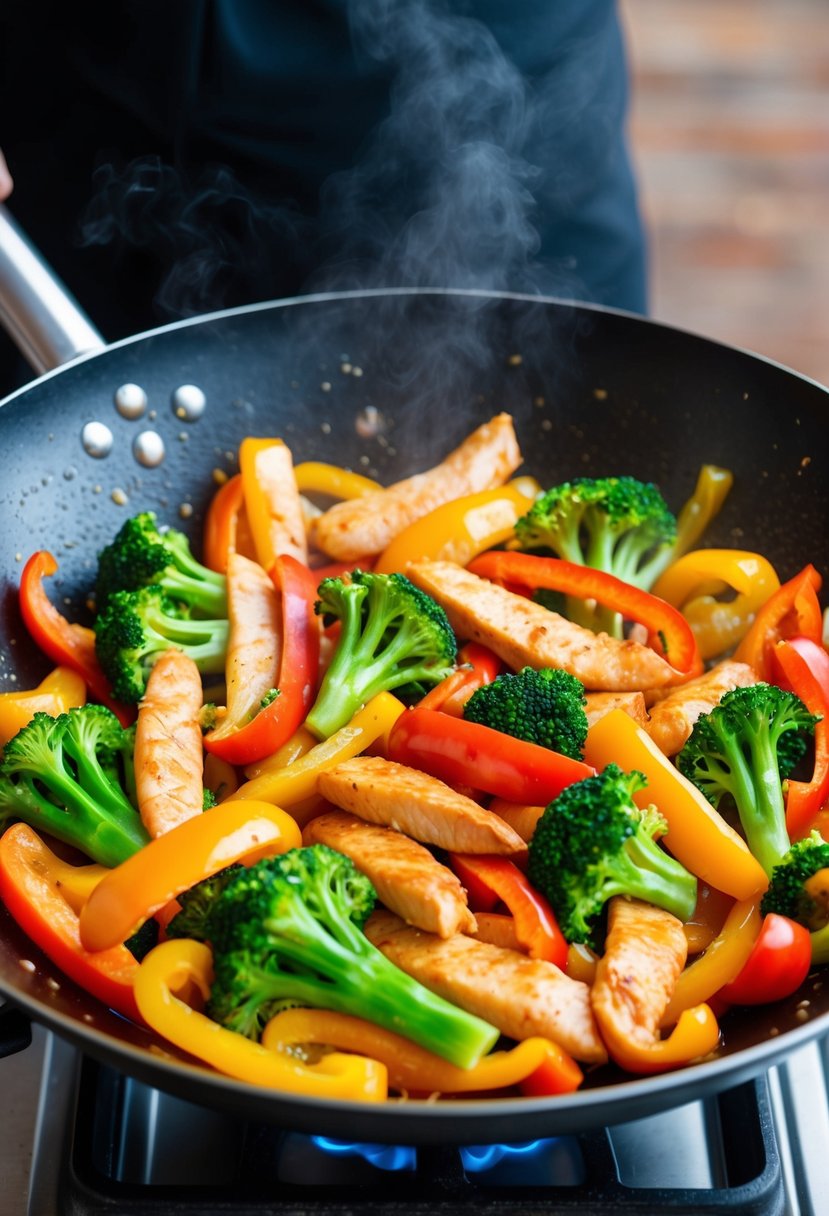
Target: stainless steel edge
column 44, row 321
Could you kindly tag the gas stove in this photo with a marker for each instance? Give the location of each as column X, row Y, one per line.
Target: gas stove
column 86, row 1140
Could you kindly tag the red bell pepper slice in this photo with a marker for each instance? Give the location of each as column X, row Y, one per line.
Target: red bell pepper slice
column 298, row 668
column 66, row 643
column 33, row 898
column 803, row 666
column 465, row 753
column 559, row 1074
column 779, row 962
column 669, row 634
column 792, row 611
column 535, row 923
column 476, row 666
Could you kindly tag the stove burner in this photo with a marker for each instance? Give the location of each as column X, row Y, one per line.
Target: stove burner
column 391, row 1157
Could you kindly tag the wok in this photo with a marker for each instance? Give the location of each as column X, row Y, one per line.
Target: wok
column 592, row 391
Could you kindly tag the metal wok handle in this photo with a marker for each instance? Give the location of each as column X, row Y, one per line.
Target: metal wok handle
column 43, row 320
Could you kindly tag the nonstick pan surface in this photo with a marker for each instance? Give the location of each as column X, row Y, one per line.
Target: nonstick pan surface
column 387, row 383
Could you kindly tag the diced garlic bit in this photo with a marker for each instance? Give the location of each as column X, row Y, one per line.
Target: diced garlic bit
column 219, row 476
column 119, row 496
column 185, row 510
column 26, row 964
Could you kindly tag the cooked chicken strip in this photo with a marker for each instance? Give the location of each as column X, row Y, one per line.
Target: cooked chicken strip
column 521, row 996
column 169, row 756
column 524, row 634
column 601, row 703
column 421, row 806
column 645, row 951
column 672, row 718
column 405, row 875
column 363, row 526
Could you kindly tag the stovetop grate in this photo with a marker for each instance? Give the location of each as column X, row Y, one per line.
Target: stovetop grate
column 122, row 1159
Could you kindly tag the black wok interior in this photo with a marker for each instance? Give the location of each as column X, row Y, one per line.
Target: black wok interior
column 591, row 391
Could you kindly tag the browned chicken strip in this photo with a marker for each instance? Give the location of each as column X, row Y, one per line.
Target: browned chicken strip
column 521, row 996
column 363, row 526
column 421, row 806
column 645, row 951
column 673, row 716
column 169, row 754
column 405, row 875
column 525, row 634
column 601, row 703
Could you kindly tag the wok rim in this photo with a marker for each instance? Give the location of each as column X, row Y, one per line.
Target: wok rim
column 618, row 1101
column 380, row 292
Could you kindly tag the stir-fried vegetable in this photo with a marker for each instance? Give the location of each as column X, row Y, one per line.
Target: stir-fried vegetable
column 320, row 794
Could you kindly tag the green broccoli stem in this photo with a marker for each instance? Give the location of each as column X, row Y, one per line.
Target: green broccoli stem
column 755, row 786
column 204, row 641
column 208, row 597
column 80, row 822
column 357, row 673
column 649, row 873
column 371, row 987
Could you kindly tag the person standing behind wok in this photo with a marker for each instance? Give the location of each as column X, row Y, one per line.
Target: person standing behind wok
column 169, row 159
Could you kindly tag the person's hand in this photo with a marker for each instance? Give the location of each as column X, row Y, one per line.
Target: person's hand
column 6, row 183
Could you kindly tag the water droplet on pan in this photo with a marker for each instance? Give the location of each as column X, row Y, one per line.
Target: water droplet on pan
column 148, row 449
column 96, row 438
column 130, row 400
column 188, row 402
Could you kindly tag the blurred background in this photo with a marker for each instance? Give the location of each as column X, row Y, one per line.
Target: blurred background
column 730, row 135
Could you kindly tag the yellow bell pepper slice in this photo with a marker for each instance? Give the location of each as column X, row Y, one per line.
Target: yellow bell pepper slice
column 458, row 530
column 176, row 861
column 695, row 1034
column 693, row 582
column 62, row 689
column 710, row 492
column 316, row 477
column 287, row 785
column 178, row 973
column 697, row 835
column 719, row 963
column 413, row 1068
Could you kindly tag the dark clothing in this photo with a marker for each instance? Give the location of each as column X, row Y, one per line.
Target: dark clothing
column 173, row 157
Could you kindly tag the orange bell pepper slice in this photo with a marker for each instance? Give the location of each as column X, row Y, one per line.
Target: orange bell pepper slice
column 32, row 886
column 792, row 611
column 458, row 530
column 176, row 861
column 697, row 835
column 226, row 528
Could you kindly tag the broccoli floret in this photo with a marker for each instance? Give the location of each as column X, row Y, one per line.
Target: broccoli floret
column 288, row 931
column 788, row 894
column 58, row 775
column 197, row 904
column 208, row 799
column 616, row 524
column 393, row 636
column 594, row 842
column 143, row 939
column 141, row 555
column 743, row 750
column 136, row 627
column 544, row 707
